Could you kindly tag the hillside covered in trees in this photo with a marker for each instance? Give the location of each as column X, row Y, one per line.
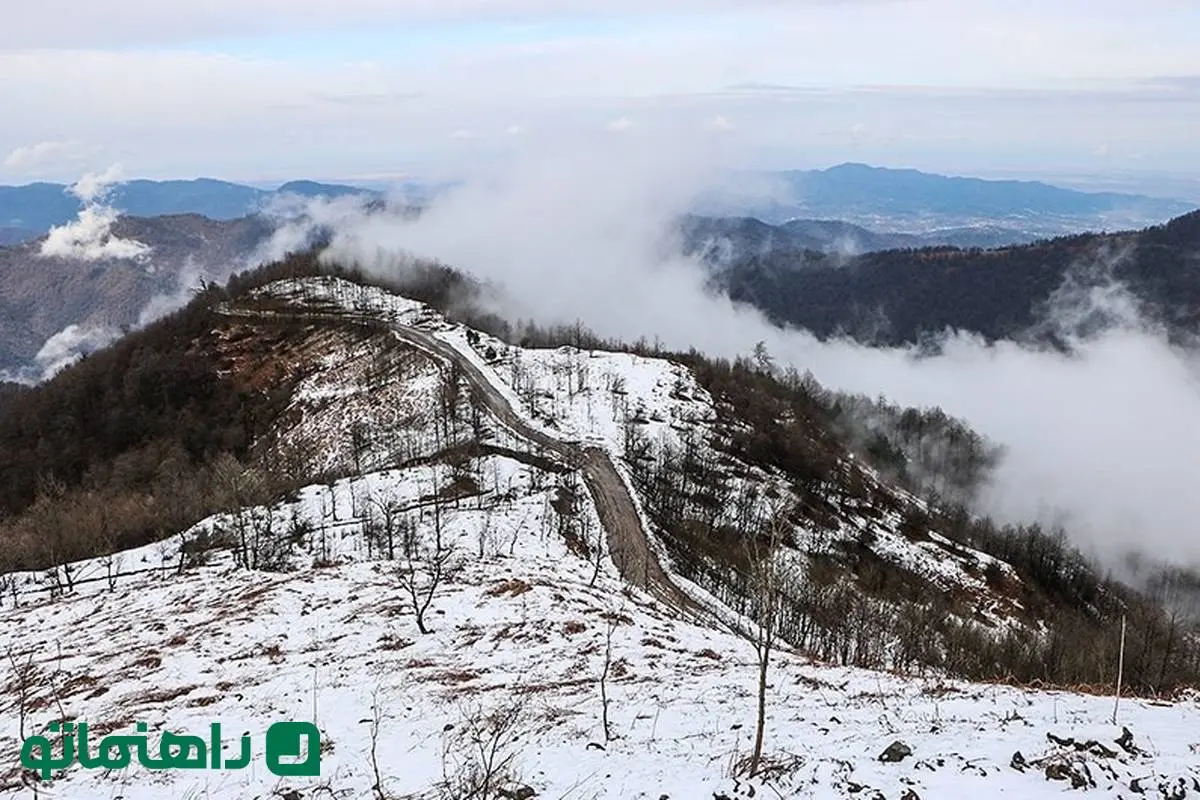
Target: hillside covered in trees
column 903, row 296
column 42, row 295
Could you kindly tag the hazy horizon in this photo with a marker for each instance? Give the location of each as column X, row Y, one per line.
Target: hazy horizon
column 1173, row 186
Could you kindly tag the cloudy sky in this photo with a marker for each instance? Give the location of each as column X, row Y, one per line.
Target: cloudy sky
column 272, row 89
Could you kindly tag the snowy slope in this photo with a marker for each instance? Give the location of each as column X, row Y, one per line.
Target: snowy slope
column 521, row 624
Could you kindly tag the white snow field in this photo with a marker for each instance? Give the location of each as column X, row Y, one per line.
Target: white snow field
column 522, row 629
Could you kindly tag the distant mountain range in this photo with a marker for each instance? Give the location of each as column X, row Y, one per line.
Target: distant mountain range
column 10, row 236
column 852, row 206
column 910, row 201
column 828, row 275
column 31, row 210
column 721, row 239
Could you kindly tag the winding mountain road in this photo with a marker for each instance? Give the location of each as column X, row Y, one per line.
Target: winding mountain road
column 628, row 542
column 627, row 539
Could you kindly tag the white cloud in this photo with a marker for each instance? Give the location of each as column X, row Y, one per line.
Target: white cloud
column 68, row 23
column 237, row 119
column 69, row 345
column 718, row 123
column 881, row 41
column 89, row 236
column 1008, row 34
column 621, row 124
column 1012, row 80
column 93, row 186
column 296, row 218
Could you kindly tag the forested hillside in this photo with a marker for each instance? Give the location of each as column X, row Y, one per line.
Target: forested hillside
column 900, row 296
column 719, row 239
column 40, row 296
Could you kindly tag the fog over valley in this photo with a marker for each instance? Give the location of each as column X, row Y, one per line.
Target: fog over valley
column 1099, row 439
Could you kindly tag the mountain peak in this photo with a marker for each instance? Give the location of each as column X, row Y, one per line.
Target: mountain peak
column 308, row 188
column 912, row 200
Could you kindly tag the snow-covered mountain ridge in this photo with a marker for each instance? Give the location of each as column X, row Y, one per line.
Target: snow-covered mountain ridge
column 598, row 396
column 535, row 601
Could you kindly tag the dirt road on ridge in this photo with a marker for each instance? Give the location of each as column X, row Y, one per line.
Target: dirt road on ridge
column 627, row 541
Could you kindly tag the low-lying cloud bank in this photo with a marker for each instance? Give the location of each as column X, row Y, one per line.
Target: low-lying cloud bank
column 1104, row 440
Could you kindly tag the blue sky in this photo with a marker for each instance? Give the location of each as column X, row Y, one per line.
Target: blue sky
column 264, row 89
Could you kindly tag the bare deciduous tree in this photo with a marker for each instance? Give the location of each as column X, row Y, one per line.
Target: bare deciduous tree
column 24, row 679
column 610, row 627
column 766, row 582
column 483, row 753
column 597, row 546
column 426, row 566
column 113, row 561
column 486, row 535
column 384, row 523
column 375, row 722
